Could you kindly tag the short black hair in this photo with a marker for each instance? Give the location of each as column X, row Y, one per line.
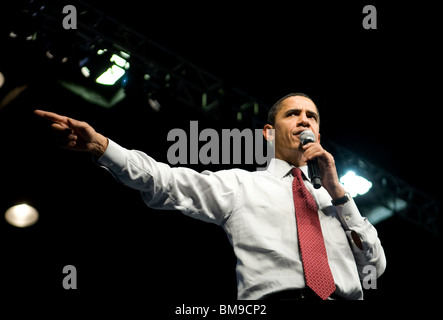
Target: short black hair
column 272, row 113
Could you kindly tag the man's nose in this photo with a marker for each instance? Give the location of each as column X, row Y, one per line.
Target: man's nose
column 303, row 120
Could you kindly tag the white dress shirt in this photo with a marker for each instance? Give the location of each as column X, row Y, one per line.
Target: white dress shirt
column 256, row 210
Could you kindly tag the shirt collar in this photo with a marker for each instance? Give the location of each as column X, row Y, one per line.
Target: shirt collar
column 280, row 168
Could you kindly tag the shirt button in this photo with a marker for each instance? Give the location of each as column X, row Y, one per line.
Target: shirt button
column 347, row 218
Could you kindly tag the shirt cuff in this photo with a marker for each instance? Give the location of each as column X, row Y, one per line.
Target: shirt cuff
column 351, row 214
column 114, row 156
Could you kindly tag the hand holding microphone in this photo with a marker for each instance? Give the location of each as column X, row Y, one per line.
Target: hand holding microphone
column 321, row 166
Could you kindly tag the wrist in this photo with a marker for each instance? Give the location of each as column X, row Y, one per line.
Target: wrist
column 336, row 192
column 343, row 200
column 100, row 145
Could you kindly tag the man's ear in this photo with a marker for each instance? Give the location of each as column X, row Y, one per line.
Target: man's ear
column 269, row 132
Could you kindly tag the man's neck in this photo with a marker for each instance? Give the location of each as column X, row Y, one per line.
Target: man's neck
column 293, row 159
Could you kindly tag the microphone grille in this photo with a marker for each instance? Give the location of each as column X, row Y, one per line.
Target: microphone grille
column 307, row 136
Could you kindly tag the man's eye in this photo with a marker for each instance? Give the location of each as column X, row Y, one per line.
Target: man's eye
column 312, row 117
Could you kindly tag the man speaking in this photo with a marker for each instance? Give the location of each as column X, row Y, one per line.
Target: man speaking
column 291, row 240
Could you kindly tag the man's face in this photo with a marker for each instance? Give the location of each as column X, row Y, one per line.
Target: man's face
column 296, row 115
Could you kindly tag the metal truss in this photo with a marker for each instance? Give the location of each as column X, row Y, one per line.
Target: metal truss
column 390, row 195
column 166, row 71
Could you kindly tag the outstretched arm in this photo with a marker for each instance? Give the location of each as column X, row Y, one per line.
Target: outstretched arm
column 75, row 135
column 207, row 196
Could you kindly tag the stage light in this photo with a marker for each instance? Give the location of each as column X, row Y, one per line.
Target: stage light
column 110, row 76
column 355, row 184
column 125, row 55
column 86, row 72
column 115, row 72
column 154, row 104
column 121, row 62
column 2, row 79
column 106, row 76
column 21, row 215
column 60, row 47
column 32, row 37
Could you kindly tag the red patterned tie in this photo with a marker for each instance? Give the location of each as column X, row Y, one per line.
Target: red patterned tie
column 312, row 246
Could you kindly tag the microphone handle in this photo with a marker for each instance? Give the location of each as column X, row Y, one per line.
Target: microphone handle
column 314, row 173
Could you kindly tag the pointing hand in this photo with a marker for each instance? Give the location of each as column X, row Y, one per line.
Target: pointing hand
column 75, row 135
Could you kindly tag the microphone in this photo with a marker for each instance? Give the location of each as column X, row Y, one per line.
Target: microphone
column 313, row 169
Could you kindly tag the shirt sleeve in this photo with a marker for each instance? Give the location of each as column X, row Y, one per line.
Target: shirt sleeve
column 362, row 235
column 207, row 196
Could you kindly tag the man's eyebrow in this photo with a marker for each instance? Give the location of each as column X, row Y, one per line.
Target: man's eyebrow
column 297, row 111
column 312, row 113
column 293, row 110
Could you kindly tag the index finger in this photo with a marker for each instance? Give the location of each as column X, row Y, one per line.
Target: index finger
column 51, row 116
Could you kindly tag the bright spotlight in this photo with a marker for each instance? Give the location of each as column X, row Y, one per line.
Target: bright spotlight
column 115, row 72
column 121, row 62
column 21, row 215
column 355, row 184
column 110, row 76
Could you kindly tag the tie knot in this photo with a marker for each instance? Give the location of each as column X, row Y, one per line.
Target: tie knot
column 296, row 172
